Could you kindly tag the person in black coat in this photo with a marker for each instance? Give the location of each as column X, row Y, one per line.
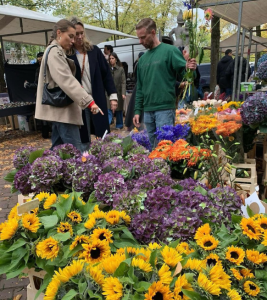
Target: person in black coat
column 223, row 81
column 229, row 73
column 93, row 72
column 33, row 85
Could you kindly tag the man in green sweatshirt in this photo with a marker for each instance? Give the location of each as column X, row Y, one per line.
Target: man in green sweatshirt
column 157, row 71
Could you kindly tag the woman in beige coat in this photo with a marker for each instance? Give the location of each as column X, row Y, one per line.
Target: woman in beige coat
column 60, row 72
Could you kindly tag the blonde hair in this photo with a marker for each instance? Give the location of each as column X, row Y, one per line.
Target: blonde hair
column 63, row 25
column 148, row 24
column 87, row 45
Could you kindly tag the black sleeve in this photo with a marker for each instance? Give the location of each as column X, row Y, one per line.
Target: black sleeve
column 218, row 73
column 105, row 72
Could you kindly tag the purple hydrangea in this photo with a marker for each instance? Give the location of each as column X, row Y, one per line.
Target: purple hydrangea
column 46, row 172
column 109, row 150
column 21, row 180
column 262, row 59
column 162, row 165
column 172, row 133
column 142, row 139
column 262, row 70
column 152, row 180
column 49, row 153
column 130, row 201
column 190, row 184
column 84, row 177
column 96, row 146
column 21, row 157
column 107, row 185
column 112, row 136
column 142, row 165
column 68, row 168
column 254, row 109
column 119, row 166
column 137, row 149
column 131, row 183
column 67, row 149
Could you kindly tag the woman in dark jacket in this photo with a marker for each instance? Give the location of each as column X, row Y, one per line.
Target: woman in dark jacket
column 119, row 78
column 93, row 72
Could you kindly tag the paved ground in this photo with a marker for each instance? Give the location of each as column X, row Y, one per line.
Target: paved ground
column 15, row 289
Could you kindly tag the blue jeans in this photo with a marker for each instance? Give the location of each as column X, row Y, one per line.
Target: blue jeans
column 63, row 133
column 157, row 119
column 119, row 118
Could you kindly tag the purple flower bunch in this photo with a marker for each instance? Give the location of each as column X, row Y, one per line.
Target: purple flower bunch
column 21, row 180
column 262, row 70
column 142, row 165
column 67, row 149
column 107, row 185
column 162, row 165
column 21, row 157
column 137, row 149
column 109, row 150
column 96, row 146
column 190, row 184
column 254, row 109
column 262, row 59
column 112, row 136
column 45, row 173
column 142, row 139
column 68, row 169
column 84, row 176
column 172, row 133
column 118, row 165
column 189, row 4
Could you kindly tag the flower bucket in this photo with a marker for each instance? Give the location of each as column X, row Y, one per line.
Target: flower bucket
column 36, row 279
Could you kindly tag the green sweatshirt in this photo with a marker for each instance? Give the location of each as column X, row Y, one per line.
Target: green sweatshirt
column 157, row 70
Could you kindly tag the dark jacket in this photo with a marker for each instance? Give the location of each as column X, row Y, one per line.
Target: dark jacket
column 33, row 85
column 223, row 64
column 229, row 73
column 101, row 81
column 119, row 79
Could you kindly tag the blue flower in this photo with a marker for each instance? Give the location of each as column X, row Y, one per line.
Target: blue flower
column 172, row 133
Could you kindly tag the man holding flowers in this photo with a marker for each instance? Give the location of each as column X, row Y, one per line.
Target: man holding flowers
column 157, row 71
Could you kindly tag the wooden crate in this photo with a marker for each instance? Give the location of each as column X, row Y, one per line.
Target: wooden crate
column 32, row 288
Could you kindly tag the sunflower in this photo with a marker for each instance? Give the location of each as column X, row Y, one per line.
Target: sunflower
column 81, row 200
column 158, row 290
column 219, row 277
column 250, row 228
column 233, row 295
column 262, row 222
column 145, row 253
column 125, row 217
column 96, row 274
column 52, row 288
column 96, row 207
column 2, row 226
column 170, row 256
column 184, row 248
column 98, row 214
column 247, row 273
column 181, row 283
column 256, row 257
column 50, row 201
column 75, row 217
column 207, row 285
column 80, row 239
column 202, row 231
column 14, row 213
column 64, row 275
column 31, row 222
column 153, row 246
column 251, row 288
column 141, row 264
column 236, row 274
column 48, row 248
column 165, row 275
column 212, row 260
column 9, row 230
column 42, row 196
column 102, row 234
column 195, row 264
column 65, row 227
column 113, row 217
column 264, row 242
column 65, row 196
column 235, row 255
column 112, row 288
column 96, row 251
column 208, row 242
column 112, row 262
column 90, row 223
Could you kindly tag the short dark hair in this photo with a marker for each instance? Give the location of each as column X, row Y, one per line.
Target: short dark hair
column 228, row 51
column 109, row 47
column 167, row 40
column 118, row 62
column 147, row 23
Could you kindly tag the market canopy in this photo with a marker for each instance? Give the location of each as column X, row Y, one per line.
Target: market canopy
column 254, row 11
column 29, row 27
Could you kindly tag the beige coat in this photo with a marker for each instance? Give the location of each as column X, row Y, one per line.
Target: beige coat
column 60, row 72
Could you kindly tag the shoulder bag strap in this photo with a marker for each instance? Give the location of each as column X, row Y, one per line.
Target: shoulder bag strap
column 45, row 61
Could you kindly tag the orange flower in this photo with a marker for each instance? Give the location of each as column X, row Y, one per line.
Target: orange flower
column 227, row 128
column 203, row 123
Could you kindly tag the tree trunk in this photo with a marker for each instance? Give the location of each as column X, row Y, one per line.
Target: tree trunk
column 2, row 80
column 215, row 50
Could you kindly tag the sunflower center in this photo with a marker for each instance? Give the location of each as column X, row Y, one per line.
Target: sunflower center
column 264, row 226
column 75, row 217
column 65, row 230
column 95, row 253
column 102, row 237
column 208, row 244
column 181, row 294
column 252, row 287
column 158, row 296
column 234, row 255
column 211, row 262
column 251, row 229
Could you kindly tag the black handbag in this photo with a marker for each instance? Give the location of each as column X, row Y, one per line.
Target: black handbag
column 55, row 96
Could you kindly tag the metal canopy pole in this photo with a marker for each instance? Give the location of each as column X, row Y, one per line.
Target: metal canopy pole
column 241, row 63
column 237, row 46
column 256, row 59
column 46, row 38
column 249, row 50
column 2, row 49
